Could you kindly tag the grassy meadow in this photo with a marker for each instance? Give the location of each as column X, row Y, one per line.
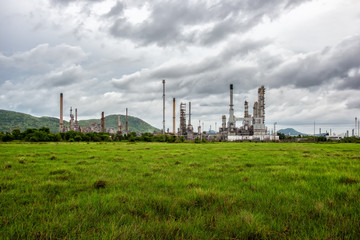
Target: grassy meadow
column 179, row 191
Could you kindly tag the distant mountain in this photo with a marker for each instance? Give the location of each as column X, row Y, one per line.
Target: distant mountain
column 10, row 120
column 290, row 131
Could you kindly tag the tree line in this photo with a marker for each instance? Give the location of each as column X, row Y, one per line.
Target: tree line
column 44, row 135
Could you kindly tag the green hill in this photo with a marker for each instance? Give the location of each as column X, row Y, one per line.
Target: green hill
column 135, row 124
column 290, row 132
column 10, row 120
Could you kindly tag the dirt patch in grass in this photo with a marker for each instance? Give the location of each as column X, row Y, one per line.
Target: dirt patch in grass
column 177, row 162
column 245, row 179
column 194, row 164
column 22, row 161
column 53, row 158
column 348, row 180
column 249, row 165
column 82, row 163
column 100, row 184
column 118, row 160
column 193, row 185
column 59, row 171
column 7, row 166
column 63, row 178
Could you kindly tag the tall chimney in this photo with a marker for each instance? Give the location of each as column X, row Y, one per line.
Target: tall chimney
column 119, row 124
column 231, row 111
column 163, row 81
column 199, row 130
column 126, row 122
column 76, row 121
column 174, row 116
column 61, row 123
column 246, row 107
column 102, row 122
column 355, row 126
column 71, row 120
column 189, row 114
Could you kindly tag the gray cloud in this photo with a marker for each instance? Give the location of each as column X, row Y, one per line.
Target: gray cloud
column 43, row 58
column 333, row 63
column 207, row 76
column 64, row 77
column 198, row 22
column 66, row 2
column 116, row 10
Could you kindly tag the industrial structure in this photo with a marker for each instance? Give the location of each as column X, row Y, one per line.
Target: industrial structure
column 252, row 127
column 92, row 127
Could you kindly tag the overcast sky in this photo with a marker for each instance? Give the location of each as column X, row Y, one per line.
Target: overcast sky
column 106, row 55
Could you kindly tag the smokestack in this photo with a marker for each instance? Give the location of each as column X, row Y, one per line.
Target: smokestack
column 355, row 125
column 174, row 116
column 119, row 124
column 76, row 121
column 231, row 111
column 189, row 114
column 126, row 122
column 61, row 123
column 102, row 122
column 231, row 95
column 246, row 107
column 163, row 81
column 71, row 119
column 320, row 131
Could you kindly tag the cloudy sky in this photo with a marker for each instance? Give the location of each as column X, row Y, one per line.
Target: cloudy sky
column 106, row 55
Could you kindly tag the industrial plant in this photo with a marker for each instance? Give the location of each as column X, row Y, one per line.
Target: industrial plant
column 249, row 127
column 252, row 126
column 92, row 127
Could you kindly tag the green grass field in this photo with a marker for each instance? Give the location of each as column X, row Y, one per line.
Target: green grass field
column 175, row 191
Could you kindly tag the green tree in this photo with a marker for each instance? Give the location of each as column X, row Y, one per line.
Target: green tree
column 16, row 134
